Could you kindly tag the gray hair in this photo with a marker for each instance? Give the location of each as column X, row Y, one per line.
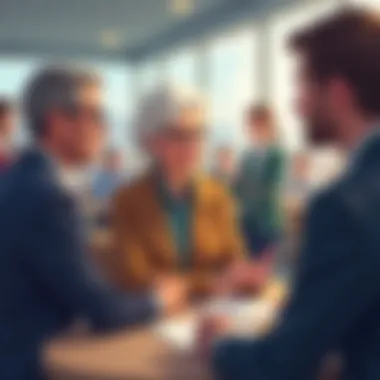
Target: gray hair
column 53, row 87
column 162, row 106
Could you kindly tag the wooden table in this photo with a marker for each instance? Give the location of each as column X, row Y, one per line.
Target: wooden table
column 136, row 355
column 128, row 355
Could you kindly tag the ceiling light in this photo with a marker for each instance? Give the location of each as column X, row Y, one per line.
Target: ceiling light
column 181, row 7
column 110, row 38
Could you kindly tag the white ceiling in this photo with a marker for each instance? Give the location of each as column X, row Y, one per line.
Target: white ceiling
column 77, row 26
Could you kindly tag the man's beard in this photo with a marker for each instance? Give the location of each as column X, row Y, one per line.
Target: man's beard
column 321, row 132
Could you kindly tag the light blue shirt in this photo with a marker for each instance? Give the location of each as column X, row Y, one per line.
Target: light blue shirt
column 106, row 183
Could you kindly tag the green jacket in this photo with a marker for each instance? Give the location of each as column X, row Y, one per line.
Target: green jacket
column 258, row 188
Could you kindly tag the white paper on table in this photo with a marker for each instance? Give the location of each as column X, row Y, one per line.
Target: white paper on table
column 247, row 318
column 180, row 332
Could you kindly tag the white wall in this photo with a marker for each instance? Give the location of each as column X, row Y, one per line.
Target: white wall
column 232, row 84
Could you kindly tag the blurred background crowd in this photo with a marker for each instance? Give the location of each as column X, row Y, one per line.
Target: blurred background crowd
column 204, row 160
column 240, row 64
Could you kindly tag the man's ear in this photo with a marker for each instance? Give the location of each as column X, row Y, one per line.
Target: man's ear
column 53, row 119
column 55, row 115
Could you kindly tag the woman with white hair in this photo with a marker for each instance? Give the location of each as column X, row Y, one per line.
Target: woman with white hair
column 174, row 220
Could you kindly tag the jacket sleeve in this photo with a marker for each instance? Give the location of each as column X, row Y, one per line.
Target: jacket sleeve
column 59, row 266
column 230, row 225
column 337, row 284
column 132, row 266
column 226, row 221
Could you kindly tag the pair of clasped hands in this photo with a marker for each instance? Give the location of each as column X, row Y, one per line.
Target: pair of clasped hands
column 248, row 277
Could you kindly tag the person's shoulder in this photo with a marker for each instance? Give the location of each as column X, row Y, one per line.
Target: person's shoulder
column 324, row 198
column 31, row 192
column 360, row 191
column 328, row 203
column 45, row 190
column 131, row 192
column 214, row 190
column 277, row 151
column 247, row 154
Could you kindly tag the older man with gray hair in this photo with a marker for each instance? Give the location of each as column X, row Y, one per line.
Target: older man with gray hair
column 175, row 219
column 45, row 282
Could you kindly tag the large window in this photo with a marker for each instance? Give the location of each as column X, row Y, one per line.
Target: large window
column 183, row 67
column 232, row 84
column 370, row 3
column 282, row 66
column 148, row 74
column 119, row 100
column 14, row 74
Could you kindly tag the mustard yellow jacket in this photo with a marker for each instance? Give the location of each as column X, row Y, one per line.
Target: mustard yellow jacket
column 144, row 245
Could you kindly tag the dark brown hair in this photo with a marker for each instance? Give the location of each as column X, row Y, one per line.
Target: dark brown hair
column 6, row 107
column 346, row 45
column 261, row 112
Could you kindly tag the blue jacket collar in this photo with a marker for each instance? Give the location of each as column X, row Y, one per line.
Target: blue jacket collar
column 366, row 149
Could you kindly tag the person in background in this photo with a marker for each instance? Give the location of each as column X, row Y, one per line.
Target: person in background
column 7, row 128
column 224, row 166
column 110, row 177
column 175, row 219
column 45, row 278
column 335, row 301
column 258, row 183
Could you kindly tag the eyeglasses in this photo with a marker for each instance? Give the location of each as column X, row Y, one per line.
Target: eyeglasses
column 181, row 136
column 90, row 112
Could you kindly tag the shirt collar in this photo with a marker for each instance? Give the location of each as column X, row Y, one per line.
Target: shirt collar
column 167, row 197
column 72, row 180
column 171, row 200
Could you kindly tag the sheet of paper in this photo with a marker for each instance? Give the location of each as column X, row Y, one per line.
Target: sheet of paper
column 179, row 332
column 249, row 319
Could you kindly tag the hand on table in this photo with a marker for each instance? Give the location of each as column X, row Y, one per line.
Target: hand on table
column 210, row 329
column 246, row 277
column 172, row 293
